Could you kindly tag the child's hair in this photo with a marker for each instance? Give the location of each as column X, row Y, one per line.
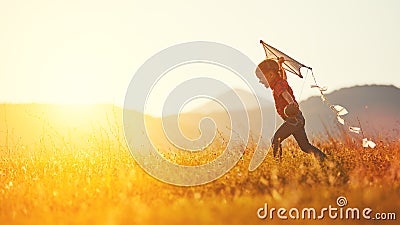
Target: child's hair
column 265, row 66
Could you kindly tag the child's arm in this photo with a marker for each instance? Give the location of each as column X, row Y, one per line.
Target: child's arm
column 289, row 98
column 283, row 72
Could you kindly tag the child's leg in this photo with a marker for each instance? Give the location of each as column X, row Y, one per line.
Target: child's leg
column 284, row 131
column 301, row 138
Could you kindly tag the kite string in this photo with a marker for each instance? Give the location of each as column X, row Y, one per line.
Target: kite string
column 315, row 80
column 337, row 109
column 323, row 97
column 302, row 86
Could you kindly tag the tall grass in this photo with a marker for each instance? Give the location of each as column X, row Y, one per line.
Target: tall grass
column 101, row 184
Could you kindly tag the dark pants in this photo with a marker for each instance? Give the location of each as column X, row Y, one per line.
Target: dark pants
column 295, row 126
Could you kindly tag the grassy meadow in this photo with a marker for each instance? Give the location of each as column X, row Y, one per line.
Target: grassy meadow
column 65, row 177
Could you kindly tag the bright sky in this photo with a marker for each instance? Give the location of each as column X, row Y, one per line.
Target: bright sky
column 87, row 51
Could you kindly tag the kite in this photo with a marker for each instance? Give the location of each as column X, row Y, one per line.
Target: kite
column 289, row 63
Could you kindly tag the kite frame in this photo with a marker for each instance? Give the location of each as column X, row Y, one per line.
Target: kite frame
column 289, row 59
